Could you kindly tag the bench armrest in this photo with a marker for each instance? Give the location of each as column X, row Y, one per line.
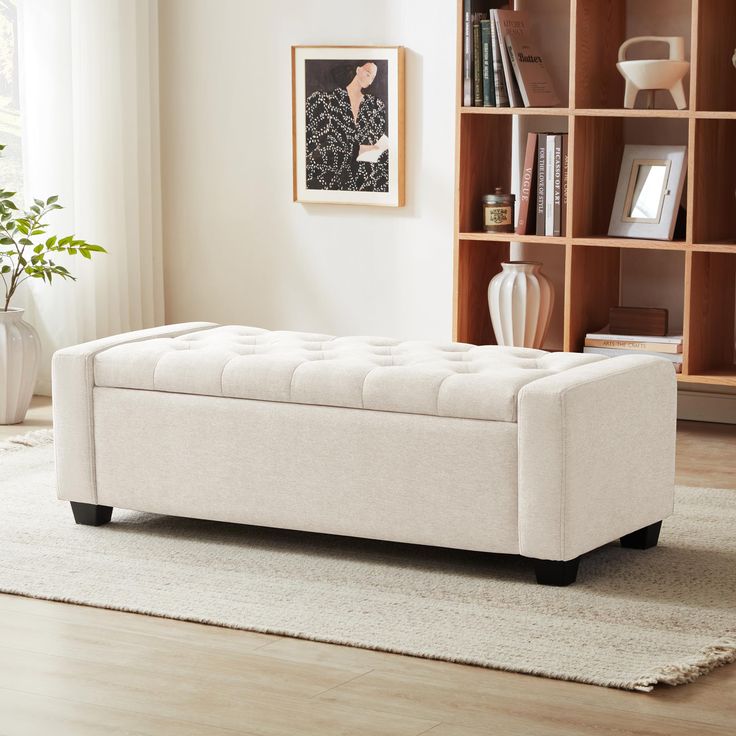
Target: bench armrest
column 596, row 454
column 72, row 381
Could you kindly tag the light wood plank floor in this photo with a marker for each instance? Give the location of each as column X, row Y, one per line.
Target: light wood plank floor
column 72, row 670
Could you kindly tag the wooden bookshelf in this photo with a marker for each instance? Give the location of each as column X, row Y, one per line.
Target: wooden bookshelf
column 598, row 129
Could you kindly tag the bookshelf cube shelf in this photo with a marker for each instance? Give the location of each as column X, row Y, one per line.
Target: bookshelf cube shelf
column 580, row 46
column 599, row 147
column 714, row 180
column 716, row 76
column 602, row 26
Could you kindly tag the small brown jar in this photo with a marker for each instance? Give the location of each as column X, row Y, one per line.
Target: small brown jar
column 498, row 212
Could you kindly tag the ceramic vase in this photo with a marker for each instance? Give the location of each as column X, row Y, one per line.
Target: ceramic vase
column 20, row 350
column 520, row 299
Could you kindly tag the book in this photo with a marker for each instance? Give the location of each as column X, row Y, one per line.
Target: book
column 489, row 98
column 502, row 18
column 633, row 345
column 557, row 194
column 477, row 66
column 533, row 79
column 674, row 358
column 467, row 53
column 549, row 185
column 666, row 344
column 499, row 83
column 527, row 223
column 622, row 337
column 374, row 154
column 541, row 180
column 565, row 159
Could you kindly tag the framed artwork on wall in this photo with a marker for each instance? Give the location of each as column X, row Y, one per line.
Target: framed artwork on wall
column 348, row 124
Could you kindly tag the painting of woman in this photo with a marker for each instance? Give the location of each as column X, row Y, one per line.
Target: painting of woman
column 343, row 125
column 348, row 124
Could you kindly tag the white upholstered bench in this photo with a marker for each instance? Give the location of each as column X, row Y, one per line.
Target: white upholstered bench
column 547, row 455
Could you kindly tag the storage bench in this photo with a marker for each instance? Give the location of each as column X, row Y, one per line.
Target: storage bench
column 510, row 450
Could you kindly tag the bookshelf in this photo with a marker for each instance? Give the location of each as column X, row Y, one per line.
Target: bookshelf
column 700, row 271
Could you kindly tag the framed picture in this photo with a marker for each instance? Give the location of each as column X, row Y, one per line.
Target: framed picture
column 348, row 124
column 649, row 191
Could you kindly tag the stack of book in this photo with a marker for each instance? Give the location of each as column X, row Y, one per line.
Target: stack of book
column 668, row 347
column 543, row 197
column 502, row 64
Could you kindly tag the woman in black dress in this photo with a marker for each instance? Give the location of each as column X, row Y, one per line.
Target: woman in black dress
column 342, row 125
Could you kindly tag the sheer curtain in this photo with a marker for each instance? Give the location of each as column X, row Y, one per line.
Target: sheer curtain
column 89, row 103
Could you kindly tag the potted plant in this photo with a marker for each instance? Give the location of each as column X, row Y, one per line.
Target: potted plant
column 26, row 252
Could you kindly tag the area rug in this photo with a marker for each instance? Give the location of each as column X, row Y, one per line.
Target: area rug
column 633, row 619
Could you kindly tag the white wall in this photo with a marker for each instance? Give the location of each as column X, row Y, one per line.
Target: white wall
column 236, row 248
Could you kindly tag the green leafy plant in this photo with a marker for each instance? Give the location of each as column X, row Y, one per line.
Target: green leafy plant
column 26, row 252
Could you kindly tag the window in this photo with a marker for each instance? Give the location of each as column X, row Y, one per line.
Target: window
column 11, row 159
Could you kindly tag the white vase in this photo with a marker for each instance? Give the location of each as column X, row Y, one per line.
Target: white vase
column 20, row 350
column 520, row 299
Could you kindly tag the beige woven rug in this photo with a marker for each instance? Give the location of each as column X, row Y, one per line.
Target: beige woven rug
column 632, row 620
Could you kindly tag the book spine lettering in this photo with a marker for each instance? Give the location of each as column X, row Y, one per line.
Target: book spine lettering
column 477, row 67
column 485, row 35
column 654, row 347
column 556, row 230
column 563, row 213
column 508, row 74
column 467, row 57
column 549, row 187
column 499, row 84
column 541, row 181
column 528, row 187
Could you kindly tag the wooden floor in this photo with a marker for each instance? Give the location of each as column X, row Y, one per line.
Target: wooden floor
column 73, row 670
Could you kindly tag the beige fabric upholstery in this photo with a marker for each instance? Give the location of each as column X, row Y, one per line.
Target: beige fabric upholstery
column 440, row 379
column 596, row 455
column 316, row 468
column 240, row 424
column 72, row 375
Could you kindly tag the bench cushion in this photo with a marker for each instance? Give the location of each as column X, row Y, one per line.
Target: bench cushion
column 383, row 374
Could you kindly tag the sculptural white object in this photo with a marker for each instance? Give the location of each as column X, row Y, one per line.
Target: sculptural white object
column 653, row 74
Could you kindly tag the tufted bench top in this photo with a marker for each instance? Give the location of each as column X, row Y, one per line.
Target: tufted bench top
column 382, row 374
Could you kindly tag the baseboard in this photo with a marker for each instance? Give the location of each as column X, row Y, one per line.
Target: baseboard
column 702, row 406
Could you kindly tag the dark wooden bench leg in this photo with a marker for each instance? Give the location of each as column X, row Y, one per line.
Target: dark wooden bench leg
column 556, row 572
column 91, row 514
column 643, row 538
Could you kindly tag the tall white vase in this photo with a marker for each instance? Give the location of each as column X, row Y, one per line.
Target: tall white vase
column 20, row 350
column 520, row 299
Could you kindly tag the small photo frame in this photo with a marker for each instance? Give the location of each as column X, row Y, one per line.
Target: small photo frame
column 348, row 124
column 649, row 191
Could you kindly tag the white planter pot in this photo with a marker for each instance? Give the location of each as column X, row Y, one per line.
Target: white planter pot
column 20, row 350
column 520, row 299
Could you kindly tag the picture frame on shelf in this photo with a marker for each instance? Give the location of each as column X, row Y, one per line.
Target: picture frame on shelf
column 650, row 185
column 348, row 125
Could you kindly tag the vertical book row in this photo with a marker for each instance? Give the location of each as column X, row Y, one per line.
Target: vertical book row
column 502, row 63
column 543, row 197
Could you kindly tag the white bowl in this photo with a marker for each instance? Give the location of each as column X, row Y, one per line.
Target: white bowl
column 653, row 73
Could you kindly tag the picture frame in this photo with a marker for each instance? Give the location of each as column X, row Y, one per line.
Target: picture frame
column 650, row 185
column 348, row 125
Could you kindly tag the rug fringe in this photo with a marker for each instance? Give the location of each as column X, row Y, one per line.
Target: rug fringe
column 36, row 438
column 721, row 653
